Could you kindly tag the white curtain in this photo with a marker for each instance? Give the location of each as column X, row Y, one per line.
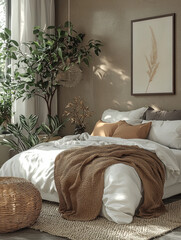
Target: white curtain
column 25, row 15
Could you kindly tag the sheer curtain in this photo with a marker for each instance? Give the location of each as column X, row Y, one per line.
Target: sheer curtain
column 25, row 15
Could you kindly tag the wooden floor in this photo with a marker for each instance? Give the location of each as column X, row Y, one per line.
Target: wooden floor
column 30, row 234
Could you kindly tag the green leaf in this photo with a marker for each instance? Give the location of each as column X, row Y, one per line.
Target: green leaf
column 66, row 68
column 51, row 27
column 33, row 119
column 24, row 123
column 79, row 59
column 63, row 33
column 97, row 52
column 39, row 67
column 35, row 31
column 2, row 36
column 13, row 55
column 21, row 86
column 60, row 53
column 59, row 32
column 68, row 24
column 15, row 43
column 8, row 31
column 50, row 43
column 45, row 129
column 13, row 49
column 38, row 131
column 23, row 75
column 86, row 61
column 11, row 143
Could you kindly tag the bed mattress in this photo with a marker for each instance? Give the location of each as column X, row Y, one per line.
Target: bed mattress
column 122, row 185
column 173, row 184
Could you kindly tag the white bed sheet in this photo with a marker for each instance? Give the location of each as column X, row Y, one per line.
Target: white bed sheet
column 122, row 185
column 172, row 185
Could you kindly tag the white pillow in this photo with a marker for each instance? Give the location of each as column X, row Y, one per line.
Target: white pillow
column 167, row 133
column 112, row 116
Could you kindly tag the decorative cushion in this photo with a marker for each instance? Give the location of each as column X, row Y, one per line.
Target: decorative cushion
column 167, row 133
column 104, row 129
column 112, row 116
column 162, row 115
column 125, row 130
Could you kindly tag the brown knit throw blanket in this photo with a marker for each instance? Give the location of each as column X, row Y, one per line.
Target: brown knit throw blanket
column 79, row 179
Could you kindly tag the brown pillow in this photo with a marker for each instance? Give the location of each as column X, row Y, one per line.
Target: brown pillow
column 104, row 129
column 125, row 130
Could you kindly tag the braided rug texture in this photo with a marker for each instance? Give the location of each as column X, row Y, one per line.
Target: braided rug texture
column 51, row 222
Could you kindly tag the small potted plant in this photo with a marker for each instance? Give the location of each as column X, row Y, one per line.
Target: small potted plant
column 77, row 113
column 26, row 133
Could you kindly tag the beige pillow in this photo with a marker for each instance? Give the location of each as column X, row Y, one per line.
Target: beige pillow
column 125, row 130
column 104, row 129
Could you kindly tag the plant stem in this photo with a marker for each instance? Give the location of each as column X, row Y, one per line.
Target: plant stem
column 147, row 86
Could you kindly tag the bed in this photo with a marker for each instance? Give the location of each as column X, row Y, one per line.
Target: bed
column 122, row 186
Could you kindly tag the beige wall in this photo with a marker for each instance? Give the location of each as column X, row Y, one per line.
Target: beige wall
column 106, row 83
column 4, row 151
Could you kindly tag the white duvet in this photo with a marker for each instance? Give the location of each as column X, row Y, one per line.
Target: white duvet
column 122, row 185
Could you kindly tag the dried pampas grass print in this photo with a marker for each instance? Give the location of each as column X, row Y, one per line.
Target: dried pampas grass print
column 152, row 61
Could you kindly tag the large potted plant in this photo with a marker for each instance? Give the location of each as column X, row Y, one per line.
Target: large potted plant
column 38, row 72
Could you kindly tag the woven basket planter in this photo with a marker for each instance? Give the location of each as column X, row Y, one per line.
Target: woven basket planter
column 20, row 204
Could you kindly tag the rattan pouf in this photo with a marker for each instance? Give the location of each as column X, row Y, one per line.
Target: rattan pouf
column 20, row 204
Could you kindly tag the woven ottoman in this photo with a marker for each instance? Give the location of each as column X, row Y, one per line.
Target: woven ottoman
column 20, row 204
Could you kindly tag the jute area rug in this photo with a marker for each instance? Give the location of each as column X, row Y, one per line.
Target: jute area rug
column 51, row 222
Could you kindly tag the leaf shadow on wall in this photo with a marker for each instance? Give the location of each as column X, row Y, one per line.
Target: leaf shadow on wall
column 111, row 85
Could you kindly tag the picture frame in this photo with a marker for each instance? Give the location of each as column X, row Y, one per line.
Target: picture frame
column 153, row 55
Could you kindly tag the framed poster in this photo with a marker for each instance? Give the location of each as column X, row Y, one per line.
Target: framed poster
column 153, row 55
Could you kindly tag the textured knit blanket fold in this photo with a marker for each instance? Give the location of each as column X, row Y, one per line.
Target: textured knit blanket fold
column 79, row 179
